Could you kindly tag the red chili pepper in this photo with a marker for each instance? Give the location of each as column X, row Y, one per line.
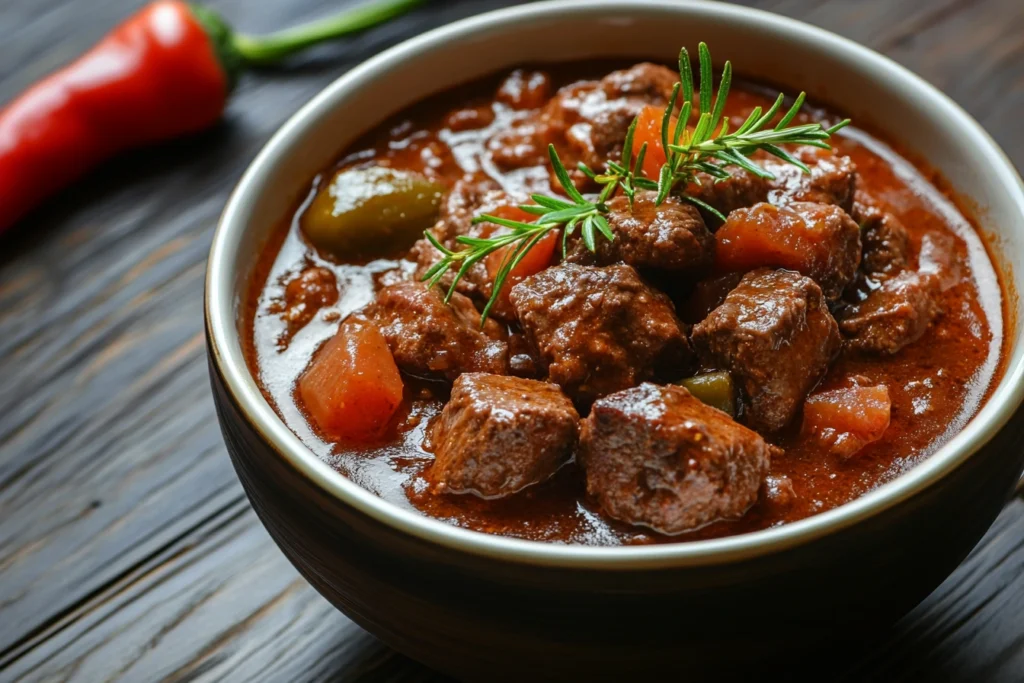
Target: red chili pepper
column 164, row 72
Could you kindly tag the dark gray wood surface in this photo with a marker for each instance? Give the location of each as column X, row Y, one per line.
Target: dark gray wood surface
column 127, row 548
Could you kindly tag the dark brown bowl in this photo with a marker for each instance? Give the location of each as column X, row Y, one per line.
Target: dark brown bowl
column 489, row 608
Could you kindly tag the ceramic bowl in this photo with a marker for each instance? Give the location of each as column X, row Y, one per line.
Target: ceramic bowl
column 489, row 608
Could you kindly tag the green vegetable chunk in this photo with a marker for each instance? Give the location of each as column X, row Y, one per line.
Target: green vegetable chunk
column 371, row 211
column 714, row 389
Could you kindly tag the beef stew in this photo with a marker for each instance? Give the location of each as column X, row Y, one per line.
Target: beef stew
column 745, row 352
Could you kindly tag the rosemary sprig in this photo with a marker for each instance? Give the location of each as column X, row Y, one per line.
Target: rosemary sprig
column 710, row 147
column 551, row 212
column 707, row 147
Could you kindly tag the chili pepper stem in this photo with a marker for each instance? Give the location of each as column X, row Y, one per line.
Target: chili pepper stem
column 261, row 50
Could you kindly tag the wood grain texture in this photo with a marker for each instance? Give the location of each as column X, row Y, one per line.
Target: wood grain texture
column 127, row 550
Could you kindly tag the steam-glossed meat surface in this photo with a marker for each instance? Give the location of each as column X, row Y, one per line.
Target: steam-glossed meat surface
column 314, row 288
column 775, row 335
column 599, row 330
column 740, row 189
column 430, row 338
column 885, row 244
column 669, row 237
column 832, row 180
column 658, row 457
column 892, row 316
column 498, row 435
column 587, row 120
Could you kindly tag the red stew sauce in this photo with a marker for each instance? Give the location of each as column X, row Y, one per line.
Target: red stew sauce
column 488, row 134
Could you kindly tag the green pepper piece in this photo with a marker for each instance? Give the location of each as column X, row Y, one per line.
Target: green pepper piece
column 713, row 388
column 371, row 211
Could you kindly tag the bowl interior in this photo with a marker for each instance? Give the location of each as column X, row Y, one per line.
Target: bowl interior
column 794, row 56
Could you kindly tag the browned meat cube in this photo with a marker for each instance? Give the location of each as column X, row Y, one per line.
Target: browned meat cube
column 587, row 121
column 776, row 337
column 599, row 330
column 498, row 434
column 602, row 115
column 524, row 89
column 656, row 456
column 430, row 338
column 670, row 237
column 892, row 316
column 706, row 296
column 833, row 178
column 832, row 181
column 651, row 83
column 314, row 288
column 885, row 244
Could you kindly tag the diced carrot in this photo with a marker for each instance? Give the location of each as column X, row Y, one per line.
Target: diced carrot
column 764, row 235
column 648, row 129
column 352, row 388
column 848, row 419
column 537, row 259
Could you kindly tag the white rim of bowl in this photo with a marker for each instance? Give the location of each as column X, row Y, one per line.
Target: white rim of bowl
column 222, row 326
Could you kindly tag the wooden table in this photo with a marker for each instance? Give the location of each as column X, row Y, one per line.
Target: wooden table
column 127, row 548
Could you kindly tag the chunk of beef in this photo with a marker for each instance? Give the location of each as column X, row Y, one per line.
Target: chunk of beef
column 670, row 237
column 522, row 357
column 776, row 337
column 656, row 456
column 739, row 190
column 430, row 338
column 819, row 240
column 468, row 197
column 523, row 143
column 314, row 288
column 525, row 89
column 599, row 330
column 892, row 316
column 885, row 244
column 651, row 83
column 832, row 180
column 706, row 296
column 778, row 492
column 469, row 118
column 599, row 118
column 586, row 120
column 498, row 434
column 864, row 206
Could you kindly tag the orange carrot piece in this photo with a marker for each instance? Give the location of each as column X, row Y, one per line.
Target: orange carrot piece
column 648, row 129
column 352, row 387
column 763, row 235
column 537, row 259
column 848, row 419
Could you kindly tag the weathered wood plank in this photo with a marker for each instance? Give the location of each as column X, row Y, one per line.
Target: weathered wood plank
column 126, row 548
column 107, row 433
column 220, row 602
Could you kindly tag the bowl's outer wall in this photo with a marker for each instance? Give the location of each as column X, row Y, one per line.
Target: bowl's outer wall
column 479, row 619
column 463, row 612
